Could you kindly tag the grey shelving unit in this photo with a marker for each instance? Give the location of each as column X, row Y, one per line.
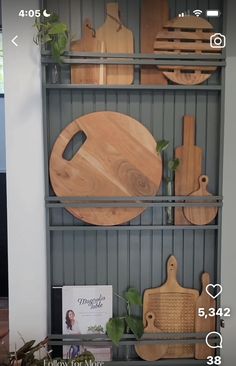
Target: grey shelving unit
column 134, row 254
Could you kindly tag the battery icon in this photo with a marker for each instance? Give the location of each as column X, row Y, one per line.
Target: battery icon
column 213, row 13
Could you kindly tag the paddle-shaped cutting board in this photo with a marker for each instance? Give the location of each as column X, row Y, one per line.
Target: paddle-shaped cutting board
column 154, row 15
column 201, row 215
column 204, row 325
column 118, row 158
column 151, row 352
column 190, row 168
column 118, row 39
column 88, row 74
column 174, row 308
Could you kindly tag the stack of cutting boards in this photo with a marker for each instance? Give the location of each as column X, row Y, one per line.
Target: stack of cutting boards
column 189, row 181
column 174, row 309
column 111, row 37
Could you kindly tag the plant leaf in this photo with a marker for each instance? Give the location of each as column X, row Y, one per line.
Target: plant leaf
column 136, row 325
column 162, row 146
column 115, row 328
column 173, row 164
column 133, row 297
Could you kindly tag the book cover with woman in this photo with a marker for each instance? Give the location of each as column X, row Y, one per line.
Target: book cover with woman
column 86, row 310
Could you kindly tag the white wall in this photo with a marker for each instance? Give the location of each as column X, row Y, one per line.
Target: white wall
column 229, row 223
column 25, row 182
column 2, row 137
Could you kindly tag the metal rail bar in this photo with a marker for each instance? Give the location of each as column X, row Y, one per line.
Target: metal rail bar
column 134, row 198
column 131, row 204
column 151, row 56
column 133, row 87
column 125, row 61
column 131, row 227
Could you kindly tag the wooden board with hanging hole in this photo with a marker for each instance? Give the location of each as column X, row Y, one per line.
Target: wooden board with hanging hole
column 186, row 35
column 88, row 74
column 174, row 310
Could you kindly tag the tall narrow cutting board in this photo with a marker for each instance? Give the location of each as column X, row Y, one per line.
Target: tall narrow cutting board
column 154, row 15
column 190, row 168
column 88, row 74
column 118, row 158
column 203, row 325
column 174, row 308
column 118, row 39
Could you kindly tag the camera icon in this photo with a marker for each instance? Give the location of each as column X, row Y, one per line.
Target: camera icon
column 218, row 40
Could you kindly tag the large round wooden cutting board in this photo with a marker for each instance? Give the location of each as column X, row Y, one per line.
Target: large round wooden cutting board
column 118, row 158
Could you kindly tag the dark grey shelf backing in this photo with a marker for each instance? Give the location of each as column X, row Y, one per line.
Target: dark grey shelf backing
column 134, row 254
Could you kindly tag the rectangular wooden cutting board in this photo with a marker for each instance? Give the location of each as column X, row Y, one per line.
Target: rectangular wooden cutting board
column 154, row 14
column 174, row 309
column 190, row 168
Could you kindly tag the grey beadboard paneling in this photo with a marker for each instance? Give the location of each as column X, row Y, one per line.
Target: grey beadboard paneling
column 134, row 258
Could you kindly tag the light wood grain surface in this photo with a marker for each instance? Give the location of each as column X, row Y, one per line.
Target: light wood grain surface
column 174, row 308
column 186, row 35
column 151, row 352
column 154, row 14
column 117, row 39
column 118, row 158
column 190, row 168
column 88, row 74
column 201, row 215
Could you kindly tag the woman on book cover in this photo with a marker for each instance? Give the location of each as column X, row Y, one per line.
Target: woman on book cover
column 72, row 327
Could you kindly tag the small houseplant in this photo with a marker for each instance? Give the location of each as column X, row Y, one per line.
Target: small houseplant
column 117, row 326
column 172, row 166
column 53, row 35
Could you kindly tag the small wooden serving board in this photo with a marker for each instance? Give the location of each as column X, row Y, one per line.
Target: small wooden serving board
column 151, row 352
column 201, row 215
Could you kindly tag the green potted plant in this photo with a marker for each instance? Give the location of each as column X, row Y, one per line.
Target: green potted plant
column 127, row 323
column 172, row 166
column 53, row 35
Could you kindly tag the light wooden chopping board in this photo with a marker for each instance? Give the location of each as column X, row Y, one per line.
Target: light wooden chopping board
column 190, row 168
column 118, row 39
column 118, row 158
column 174, row 308
column 154, row 15
column 88, row 74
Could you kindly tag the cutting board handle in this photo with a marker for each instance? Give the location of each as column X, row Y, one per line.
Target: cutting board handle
column 150, row 318
column 205, row 281
column 63, row 140
column 113, row 10
column 189, row 131
column 203, row 182
column 172, row 270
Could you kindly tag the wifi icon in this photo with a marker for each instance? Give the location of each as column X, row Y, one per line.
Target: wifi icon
column 197, row 12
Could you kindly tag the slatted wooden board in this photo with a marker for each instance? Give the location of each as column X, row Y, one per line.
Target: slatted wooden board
column 186, row 35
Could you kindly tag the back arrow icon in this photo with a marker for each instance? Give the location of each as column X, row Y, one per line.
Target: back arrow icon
column 13, row 41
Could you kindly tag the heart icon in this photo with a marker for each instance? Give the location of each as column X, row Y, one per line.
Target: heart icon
column 210, row 290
